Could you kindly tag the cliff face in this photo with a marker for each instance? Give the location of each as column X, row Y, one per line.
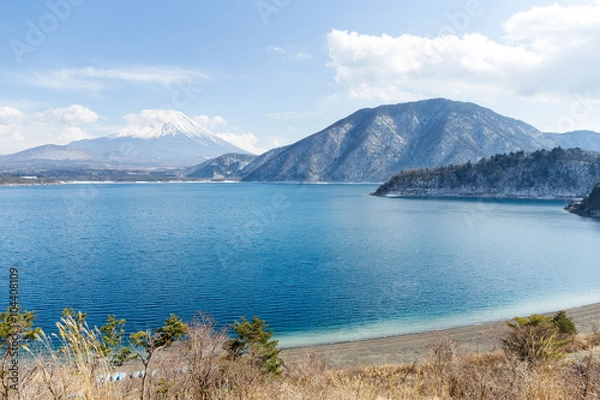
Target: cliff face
column 541, row 174
column 589, row 206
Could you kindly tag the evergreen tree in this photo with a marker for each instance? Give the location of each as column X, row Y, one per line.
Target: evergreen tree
column 254, row 340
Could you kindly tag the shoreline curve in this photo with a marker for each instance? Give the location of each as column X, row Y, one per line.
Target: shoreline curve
column 415, row 347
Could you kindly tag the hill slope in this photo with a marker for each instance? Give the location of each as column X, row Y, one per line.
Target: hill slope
column 372, row 144
column 586, row 140
column 223, row 167
column 555, row 174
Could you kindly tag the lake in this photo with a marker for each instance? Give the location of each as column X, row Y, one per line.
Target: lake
column 320, row 263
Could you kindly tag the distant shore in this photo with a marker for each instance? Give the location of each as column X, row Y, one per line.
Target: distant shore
column 406, row 349
column 106, row 182
column 117, row 182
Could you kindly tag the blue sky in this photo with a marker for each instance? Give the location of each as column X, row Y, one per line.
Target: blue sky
column 264, row 73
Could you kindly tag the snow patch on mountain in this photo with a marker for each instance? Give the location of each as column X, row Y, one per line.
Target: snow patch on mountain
column 150, row 139
column 150, row 124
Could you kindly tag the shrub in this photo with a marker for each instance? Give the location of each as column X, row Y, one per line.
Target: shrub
column 538, row 337
column 203, row 352
column 564, row 324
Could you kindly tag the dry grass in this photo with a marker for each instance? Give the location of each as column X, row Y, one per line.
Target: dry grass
column 209, row 374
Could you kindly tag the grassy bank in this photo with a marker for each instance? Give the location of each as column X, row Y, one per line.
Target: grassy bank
column 201, row 367
column 446, row 374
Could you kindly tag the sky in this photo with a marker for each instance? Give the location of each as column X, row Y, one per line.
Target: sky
column 266, row 73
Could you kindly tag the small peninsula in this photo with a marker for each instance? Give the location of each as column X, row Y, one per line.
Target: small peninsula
column 551, row 174
column 589, row 206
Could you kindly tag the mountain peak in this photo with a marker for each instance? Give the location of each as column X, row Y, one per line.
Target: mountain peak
column 157, row 123
column 373, row 144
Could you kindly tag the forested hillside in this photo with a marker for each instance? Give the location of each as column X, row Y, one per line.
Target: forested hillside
column 556, row 173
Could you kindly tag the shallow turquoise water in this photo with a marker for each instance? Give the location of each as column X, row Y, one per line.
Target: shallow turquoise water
column 320, row 263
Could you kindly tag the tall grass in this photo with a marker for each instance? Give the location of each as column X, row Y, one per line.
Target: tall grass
column 69, row 367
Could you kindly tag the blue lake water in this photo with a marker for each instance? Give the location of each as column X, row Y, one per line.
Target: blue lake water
column 320, row 263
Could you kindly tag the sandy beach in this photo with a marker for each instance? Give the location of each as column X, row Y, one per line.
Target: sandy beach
column 414, row 347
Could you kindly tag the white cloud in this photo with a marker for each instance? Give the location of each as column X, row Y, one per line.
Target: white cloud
column 70, row 134
column 74, row 114
column 303, row 56
column 245, row 141
column 276, row 49
column 288, row 53
column 285, row 115
column 547, row 52
column 218, row 126
column 553, row 26
column 210, row 123
column 369, row 65
column 97, row 79
column 10, row 113
column 20, row 130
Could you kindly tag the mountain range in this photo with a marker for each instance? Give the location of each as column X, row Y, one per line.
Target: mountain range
column 165, row 139
column 373, row 144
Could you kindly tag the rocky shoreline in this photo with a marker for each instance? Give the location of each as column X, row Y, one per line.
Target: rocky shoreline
column 589, row 206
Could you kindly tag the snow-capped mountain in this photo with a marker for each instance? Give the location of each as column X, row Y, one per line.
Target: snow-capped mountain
column 152, row 139
column 152, row 124
column 370, row 145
